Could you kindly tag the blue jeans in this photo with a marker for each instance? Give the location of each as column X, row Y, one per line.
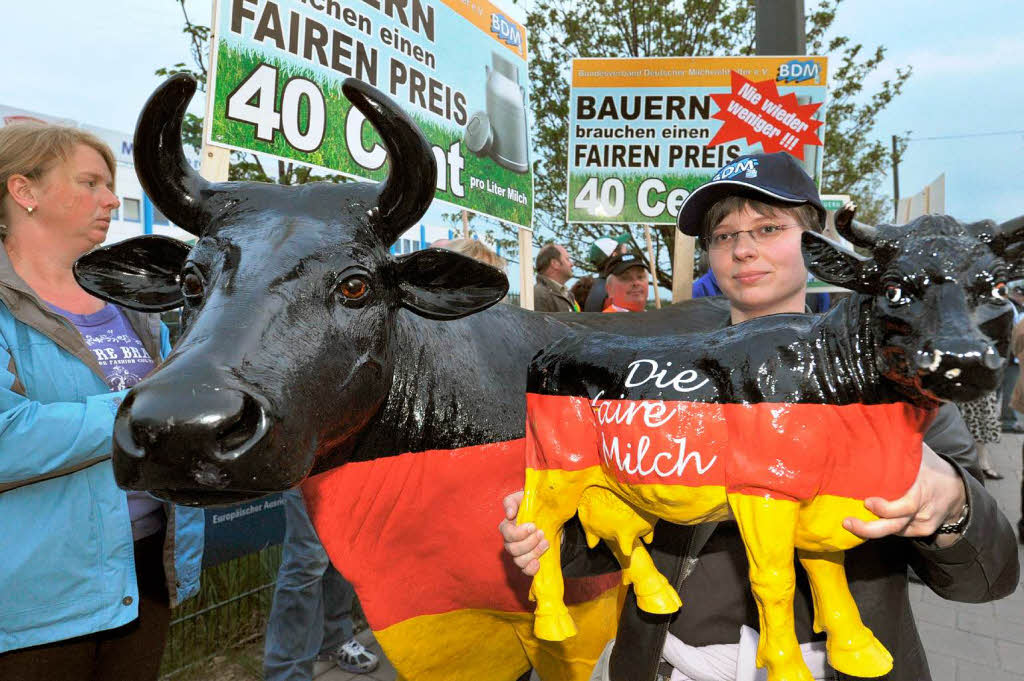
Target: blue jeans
column 312, row 608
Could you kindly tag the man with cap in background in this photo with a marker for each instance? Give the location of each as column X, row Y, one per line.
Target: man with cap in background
column 626, row 283
column 600, row 251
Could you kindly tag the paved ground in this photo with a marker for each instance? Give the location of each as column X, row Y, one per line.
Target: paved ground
column 964, row 642
column 979, row 642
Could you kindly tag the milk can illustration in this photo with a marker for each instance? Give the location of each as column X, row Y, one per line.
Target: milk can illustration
column 500, row 131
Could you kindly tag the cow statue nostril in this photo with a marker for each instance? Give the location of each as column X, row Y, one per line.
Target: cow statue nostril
column 125, row 438
column 247, row 427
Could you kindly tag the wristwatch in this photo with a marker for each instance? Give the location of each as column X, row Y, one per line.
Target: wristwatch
column 958, row 526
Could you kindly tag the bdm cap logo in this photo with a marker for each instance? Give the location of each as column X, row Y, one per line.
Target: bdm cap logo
column 748, row 166
column 506, row 30
column 797, row 71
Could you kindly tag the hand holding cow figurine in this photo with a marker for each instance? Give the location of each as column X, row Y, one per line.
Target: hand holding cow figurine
column 790, row 421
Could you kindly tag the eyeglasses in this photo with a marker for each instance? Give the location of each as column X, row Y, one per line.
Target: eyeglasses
column 720, row 241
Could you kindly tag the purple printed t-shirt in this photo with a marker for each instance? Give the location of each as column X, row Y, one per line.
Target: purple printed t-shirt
column 124, row 362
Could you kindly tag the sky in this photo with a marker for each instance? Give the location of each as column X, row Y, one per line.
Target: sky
column 94, row 62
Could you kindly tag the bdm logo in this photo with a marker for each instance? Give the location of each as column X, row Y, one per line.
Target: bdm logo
column 506, row 30
column 796, row 71
column 747, row 166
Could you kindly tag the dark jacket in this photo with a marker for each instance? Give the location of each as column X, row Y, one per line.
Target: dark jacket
column 981, row 566
column 550, row 296
column 598, row 294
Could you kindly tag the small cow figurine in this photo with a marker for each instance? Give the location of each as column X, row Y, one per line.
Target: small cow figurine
column 788, row 421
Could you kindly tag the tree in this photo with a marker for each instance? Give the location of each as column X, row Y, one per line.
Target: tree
column 562, row 29
column 244, row 166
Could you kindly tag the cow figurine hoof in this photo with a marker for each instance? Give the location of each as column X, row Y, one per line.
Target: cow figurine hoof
column 865, row 656
column 554, row 626
column 657, row 596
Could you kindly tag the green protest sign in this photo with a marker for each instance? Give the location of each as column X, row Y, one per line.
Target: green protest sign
column 645, row 132
column 458, row 69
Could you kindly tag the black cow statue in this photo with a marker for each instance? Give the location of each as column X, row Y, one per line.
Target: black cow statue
column 790, row 433
column 307, row 345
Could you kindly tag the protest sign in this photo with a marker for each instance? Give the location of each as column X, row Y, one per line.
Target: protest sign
column 459, row 69
column 645, row 132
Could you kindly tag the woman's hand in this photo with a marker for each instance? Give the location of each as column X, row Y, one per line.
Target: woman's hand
column 525, row 543
column 936, row 498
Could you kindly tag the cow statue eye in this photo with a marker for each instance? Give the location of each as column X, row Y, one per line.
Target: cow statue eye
column 354, row 288
column 192, row 286
column 895, row 296
column 999, row 291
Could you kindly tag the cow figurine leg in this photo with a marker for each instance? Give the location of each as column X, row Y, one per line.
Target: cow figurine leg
column 605, row 515
column 821, row 541
column 852, row 648
column 551, row 497
column 768, row 527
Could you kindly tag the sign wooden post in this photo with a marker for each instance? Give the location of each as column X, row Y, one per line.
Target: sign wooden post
column 525, row 268
column 214, row 162
column 682, row 267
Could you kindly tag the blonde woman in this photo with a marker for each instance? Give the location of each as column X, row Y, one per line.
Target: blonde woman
column 89, row 571
column 477, row 250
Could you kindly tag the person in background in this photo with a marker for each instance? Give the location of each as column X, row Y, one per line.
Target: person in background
column 554, row 268
column 1017, row 348
column 311, row 614
column 600, row 251
column 982, row 418
column 626, row 281
column 89, row 572
column 478, row 250
column 1010, row 419
column 581, row 289
column 753, row 238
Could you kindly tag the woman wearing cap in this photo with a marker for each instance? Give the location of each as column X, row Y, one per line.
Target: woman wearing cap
column 750, row 216
column 88, row 572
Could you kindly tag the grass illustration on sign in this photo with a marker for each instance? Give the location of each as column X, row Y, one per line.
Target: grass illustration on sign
column 235, row 65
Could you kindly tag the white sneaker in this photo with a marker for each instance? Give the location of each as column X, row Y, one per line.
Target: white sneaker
column 353, row 657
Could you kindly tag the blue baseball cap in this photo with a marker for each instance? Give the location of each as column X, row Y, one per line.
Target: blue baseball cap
column 775, row 177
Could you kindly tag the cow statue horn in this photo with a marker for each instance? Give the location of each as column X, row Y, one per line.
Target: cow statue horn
column 412, row 174
column 164, row 173
column 855, row 232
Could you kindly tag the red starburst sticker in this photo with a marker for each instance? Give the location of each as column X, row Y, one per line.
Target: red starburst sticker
column 759, row 113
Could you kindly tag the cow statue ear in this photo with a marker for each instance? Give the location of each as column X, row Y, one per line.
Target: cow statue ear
column 140, row 273
column 833, row 264
column 440, row 284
